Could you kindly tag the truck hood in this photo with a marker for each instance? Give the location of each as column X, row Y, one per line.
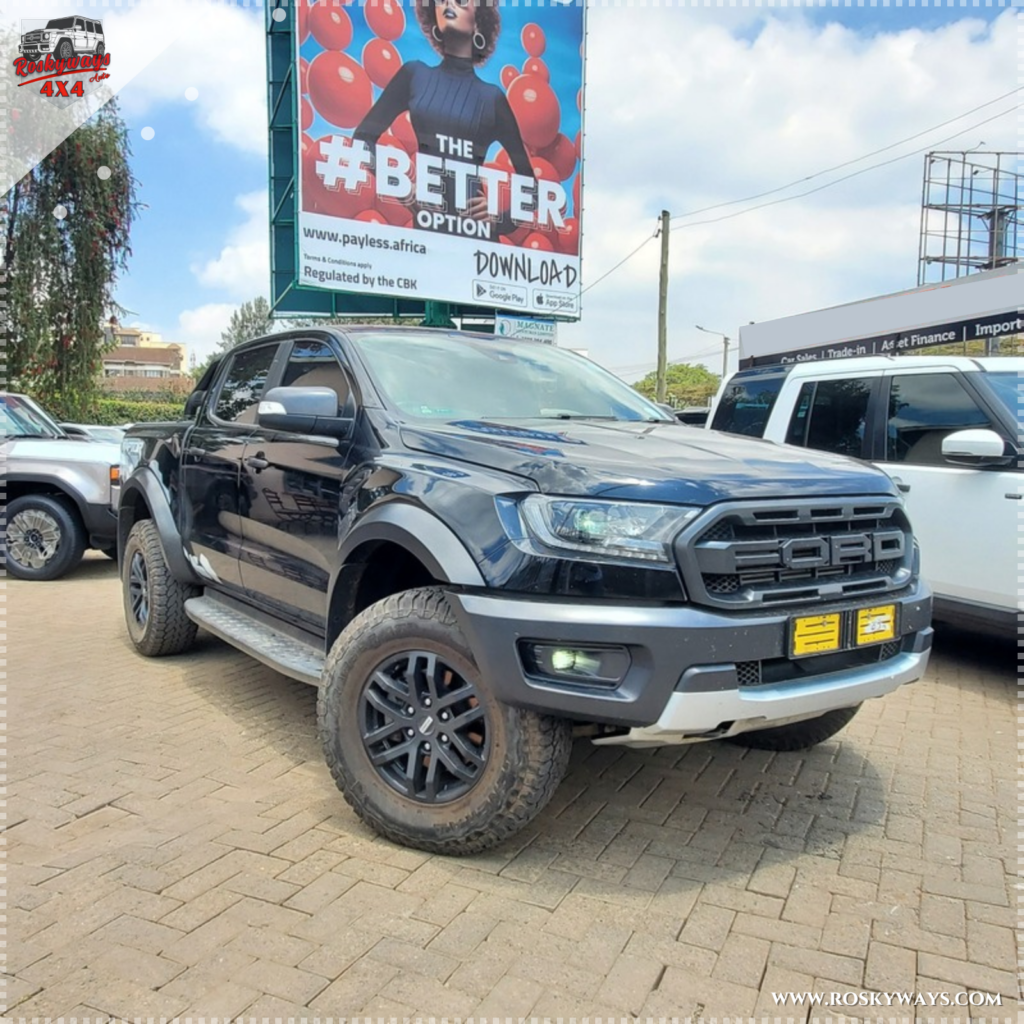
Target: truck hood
column 659, row 462
column 57, row 449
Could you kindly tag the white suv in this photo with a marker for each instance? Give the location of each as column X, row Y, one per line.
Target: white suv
column 947, row 429
column 64, row 38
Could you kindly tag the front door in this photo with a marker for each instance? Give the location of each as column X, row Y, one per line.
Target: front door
column 294, row 483
column 213, row 499
column 963, row 518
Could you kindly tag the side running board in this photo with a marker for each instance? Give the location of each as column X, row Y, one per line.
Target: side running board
column 287, row 655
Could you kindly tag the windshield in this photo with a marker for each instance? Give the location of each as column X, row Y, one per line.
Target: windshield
column 747, row 402
column 61, row 23
column 20, row 417
column 454, row 377
column 1007, row 387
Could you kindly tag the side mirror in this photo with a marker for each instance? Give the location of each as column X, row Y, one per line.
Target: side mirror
column 666, row 409
column 306, row 411
column 193, row 403
column 975, row 447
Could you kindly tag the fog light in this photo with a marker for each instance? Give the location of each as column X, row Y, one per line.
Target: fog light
column 600, row 666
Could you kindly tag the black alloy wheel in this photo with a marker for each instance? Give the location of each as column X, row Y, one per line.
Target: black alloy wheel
column 423, row 727
column 138, row 589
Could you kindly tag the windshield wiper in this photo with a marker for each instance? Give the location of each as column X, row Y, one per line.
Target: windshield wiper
column 577, row 416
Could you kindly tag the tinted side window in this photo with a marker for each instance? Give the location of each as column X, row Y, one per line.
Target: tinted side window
column 830, row 416
column 240, row 393
column 747, row 403
column 924, row 409
column 313, row 364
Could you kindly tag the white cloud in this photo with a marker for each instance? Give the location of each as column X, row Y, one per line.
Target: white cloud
column 704, row 116
column 243, row 266
column 200, row 328
column 219, row 50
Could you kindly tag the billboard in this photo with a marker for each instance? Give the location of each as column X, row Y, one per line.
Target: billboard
column 440, row 151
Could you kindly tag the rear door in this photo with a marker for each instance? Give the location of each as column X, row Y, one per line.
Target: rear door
column 213, row 501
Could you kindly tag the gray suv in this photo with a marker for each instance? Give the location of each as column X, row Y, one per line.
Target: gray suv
column 61, row 493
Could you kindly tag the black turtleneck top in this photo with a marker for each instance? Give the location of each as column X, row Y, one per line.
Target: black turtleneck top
column 448, row 100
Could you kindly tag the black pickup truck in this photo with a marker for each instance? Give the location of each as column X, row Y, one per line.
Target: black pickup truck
column 478, row 548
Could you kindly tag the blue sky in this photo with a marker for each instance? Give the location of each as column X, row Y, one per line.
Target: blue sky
column 686, row 107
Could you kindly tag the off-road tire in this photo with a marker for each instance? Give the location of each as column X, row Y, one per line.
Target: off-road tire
column 70, row 540
column 65, row 50
column 165, row 628
column 528, row 752
column 100, row 50
column 797, row 735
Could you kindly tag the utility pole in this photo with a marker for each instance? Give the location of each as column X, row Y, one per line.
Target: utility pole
column 663, row 309
column 725, row 349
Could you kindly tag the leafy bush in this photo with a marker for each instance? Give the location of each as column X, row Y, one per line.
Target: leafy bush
column 115, row 411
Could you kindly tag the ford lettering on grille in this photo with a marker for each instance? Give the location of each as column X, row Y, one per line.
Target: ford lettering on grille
column 780, row 553
column 801, row 552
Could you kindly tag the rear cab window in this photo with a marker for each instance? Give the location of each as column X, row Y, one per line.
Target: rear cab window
column 747, row 401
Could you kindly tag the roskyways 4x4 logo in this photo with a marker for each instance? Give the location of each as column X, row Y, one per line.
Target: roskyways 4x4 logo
column 52, row 50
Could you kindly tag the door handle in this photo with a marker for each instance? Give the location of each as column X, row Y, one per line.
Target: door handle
column 1014, row 497
column 256, row 462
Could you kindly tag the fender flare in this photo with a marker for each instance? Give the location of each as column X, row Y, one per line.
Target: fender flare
column 56, row 483
column 145, row 483
column 422, row 534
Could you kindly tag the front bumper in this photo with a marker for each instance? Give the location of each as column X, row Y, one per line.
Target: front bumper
column 38, row 47
column 684, row 679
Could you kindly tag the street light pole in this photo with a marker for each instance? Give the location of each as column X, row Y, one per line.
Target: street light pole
column 725, row 349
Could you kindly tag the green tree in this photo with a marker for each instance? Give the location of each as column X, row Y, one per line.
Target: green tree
column 65, row 231
column 251, row 320
column 685, row 384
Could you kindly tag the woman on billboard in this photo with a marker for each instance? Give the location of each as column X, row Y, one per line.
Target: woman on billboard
column 453, row 112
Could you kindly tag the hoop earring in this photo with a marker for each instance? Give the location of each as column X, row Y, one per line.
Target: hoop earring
column 436, row 34
column 482, row 41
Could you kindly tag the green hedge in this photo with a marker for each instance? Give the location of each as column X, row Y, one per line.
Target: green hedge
column 115, row 411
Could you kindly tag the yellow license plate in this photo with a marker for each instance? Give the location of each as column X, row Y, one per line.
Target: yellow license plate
column 815, row 634
column 876, row 625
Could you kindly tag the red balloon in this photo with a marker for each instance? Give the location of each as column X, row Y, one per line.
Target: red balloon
column 331, row 26
column 381, row 61
column 339, row 89
column 303, row 20
column 336, row 202
column 387, row 139
column 509, row 73
column 536, row 110
column 371, row 217
column 568, row 237
column 561, row 154
column 307, row 113
column 394, row 212
column 385, row 18
column 303, row 76
column 542, row 169
column 503, row 161
column 535, row 66
column 539, row 242
column 533, row 39
column 403, row 130
column 520, row 234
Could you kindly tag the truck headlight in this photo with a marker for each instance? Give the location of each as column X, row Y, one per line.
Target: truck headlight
column 131, row 453
column 604, row 530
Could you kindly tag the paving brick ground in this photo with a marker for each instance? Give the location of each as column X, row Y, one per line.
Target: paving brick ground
column 176, row 847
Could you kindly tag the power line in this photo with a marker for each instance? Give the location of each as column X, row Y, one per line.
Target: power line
column 649, row 238
column 846, row 177
column 817, row 174
column 847, row 163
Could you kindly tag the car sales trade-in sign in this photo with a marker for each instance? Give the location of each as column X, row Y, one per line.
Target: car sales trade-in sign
column 441, row 151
